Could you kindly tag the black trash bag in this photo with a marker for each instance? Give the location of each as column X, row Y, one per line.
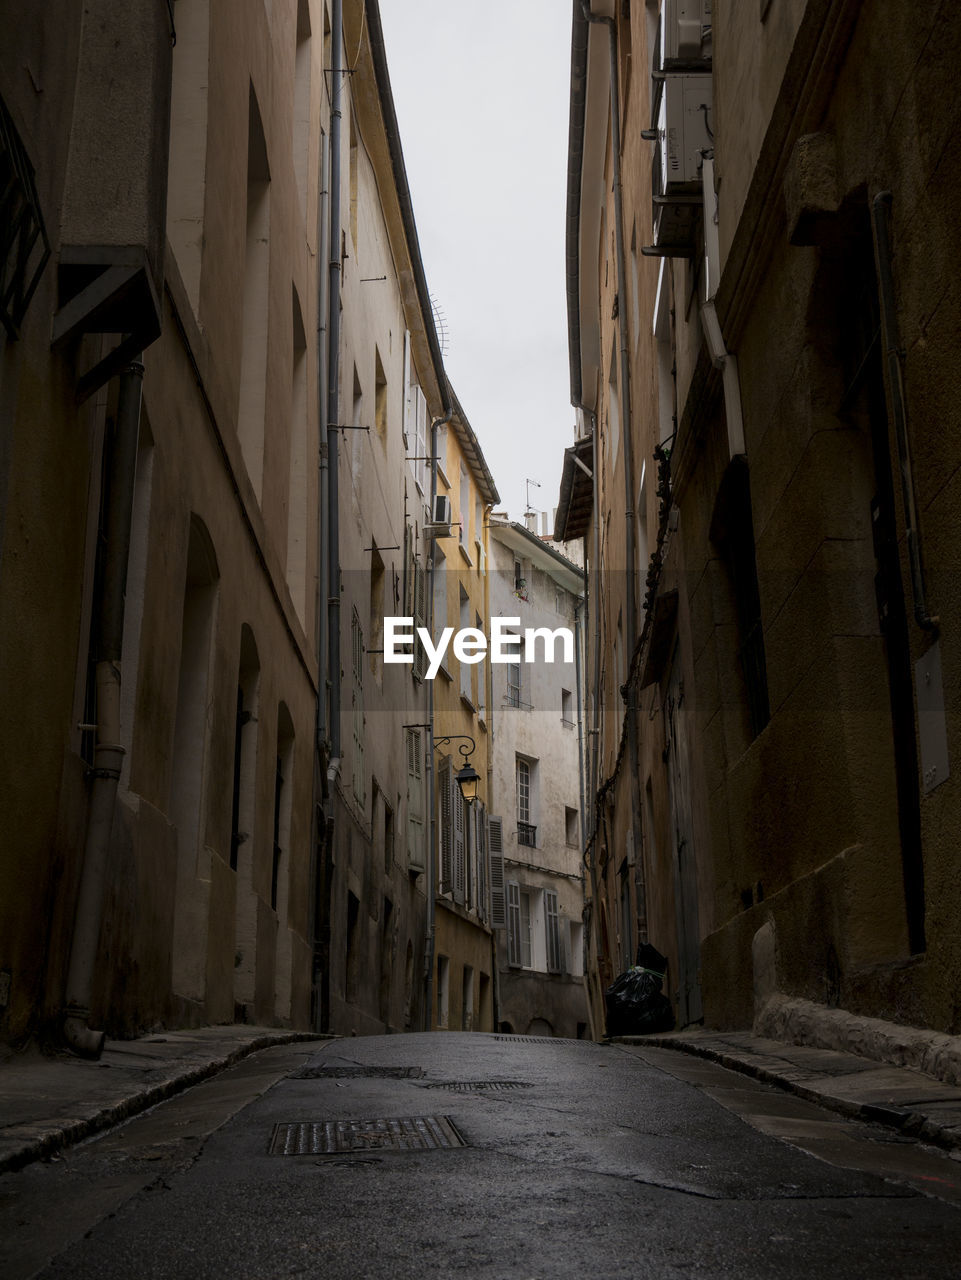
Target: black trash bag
column 635, row 1003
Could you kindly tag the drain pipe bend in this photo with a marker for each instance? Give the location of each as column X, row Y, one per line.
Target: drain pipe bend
column 117, row 506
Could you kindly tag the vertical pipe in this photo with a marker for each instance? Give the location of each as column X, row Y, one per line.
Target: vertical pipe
column 335, row 267
column 626, row 424
column 320, row 916
column 108, row 754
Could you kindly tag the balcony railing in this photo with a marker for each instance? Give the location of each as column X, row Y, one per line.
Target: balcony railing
column 526, row 834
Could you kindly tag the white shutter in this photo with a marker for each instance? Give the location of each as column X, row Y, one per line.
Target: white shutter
column 553, row 939
column 495, row 842
column 513, row 923
column 446, row 825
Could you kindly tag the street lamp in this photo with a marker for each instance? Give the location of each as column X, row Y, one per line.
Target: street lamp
column 467, row 776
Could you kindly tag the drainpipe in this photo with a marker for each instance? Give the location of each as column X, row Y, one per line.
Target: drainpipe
column 333, row 493
column 626, row 422
column 881, row 216
column 320, row 914
column 431, row 823
column 108, row 754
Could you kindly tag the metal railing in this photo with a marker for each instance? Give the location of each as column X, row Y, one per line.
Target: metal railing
column 527, row 835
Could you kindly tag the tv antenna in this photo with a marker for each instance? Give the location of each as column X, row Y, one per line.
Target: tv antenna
column 440, row 325
column 537, row 484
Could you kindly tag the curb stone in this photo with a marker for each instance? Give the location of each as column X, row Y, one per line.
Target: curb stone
column 68, row 1133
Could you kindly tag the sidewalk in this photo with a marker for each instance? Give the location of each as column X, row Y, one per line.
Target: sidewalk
column 51, row 1101
column 916, row 1104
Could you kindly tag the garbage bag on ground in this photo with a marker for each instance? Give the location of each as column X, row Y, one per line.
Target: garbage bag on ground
column 635, row 1003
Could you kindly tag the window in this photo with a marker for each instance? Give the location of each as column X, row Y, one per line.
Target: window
column 481, row 676
column 567, row 709
column 613, row 414
column 380, row 397
column 518, row 926
column 358, row 777
column 415, row 802
column 570, row 827
column 253, row 363
column 526, row 832
column 452, row 833
column 464, row 506
column 553, row 932
column 297, row 485
column 466, row 674
column 514, row 680
column 376, row 613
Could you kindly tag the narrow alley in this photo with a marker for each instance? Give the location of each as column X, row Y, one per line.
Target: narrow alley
column 486, row 1156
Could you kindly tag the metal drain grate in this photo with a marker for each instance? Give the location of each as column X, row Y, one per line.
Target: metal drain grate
column 475, row 1086
column 357, row 1073
column 332, row 1137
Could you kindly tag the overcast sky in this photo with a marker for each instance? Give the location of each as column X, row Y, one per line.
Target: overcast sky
column 481, row 93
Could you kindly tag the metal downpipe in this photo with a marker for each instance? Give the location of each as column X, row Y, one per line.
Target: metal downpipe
column 335, row 267
column 108, row 753
column 626, row 429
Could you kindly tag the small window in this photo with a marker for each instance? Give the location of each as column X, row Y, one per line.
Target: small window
column 567, row 709
column 571, row 827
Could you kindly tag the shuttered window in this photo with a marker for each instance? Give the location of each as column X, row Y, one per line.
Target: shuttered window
column 518, row 926
column 358, row 770
column 553, row 932
column 445, row 826
column 415, row 801
column 498, row 898
column 458, row 806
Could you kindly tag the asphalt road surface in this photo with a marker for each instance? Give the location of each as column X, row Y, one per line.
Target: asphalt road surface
column 506, row 1157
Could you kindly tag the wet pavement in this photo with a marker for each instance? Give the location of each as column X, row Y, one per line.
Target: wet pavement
column 488, row 1156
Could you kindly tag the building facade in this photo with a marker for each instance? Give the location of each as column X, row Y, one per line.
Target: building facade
column 215, row 811
column 752, row 313
column 463, row 946
column 536, row 728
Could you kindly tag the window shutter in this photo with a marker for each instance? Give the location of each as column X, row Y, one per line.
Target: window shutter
column 513, row 923
column 419, row 604
column 495, row 843
column 481, row 863
column 446, row 826
column 406, row 407
column 553, row 938
column 415, row 803
column 460, row 841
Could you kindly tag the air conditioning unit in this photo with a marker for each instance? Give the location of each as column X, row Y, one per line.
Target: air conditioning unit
column 683, row 134
column 439, row 524
column 684, row 38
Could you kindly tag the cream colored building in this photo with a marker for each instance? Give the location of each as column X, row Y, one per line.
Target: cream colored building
column 536, row 722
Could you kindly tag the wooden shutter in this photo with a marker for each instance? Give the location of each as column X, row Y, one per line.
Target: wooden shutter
column 481, row 861
column 446, row 825
column 460, row 841
column 415, row 802
column 495, row 845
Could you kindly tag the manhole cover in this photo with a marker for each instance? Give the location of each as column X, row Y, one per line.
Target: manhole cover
column 474, row 1086
column 332, row 1137
column 357, row 1073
